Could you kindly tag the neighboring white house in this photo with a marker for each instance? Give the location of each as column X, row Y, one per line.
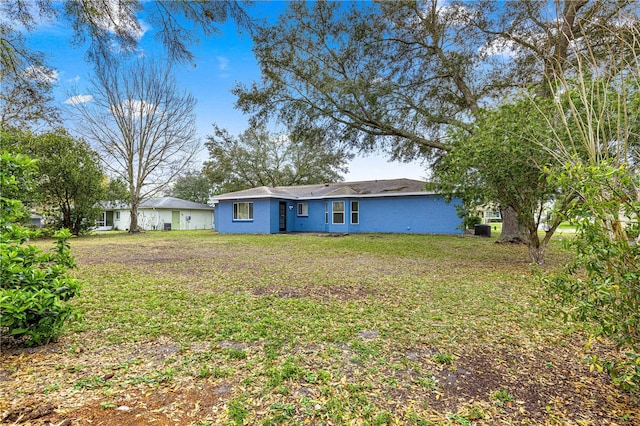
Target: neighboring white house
column 165, row 213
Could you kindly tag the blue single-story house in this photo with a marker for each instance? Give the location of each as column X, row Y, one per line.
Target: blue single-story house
column 394, row 206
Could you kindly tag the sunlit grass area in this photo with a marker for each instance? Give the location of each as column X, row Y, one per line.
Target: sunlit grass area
column 201, row 328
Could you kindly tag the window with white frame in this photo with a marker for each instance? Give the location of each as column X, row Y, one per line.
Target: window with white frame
column 303, row 209
column 355, row 212
column 338, row 212
column 117, row 215
column 243, row 211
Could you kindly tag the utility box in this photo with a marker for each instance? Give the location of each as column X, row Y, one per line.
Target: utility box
column 482, row 230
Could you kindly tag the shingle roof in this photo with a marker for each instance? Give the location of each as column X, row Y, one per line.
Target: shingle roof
column 386, row 187
column 173, row 203
column 164, row 203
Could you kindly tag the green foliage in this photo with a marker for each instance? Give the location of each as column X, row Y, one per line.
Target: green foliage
column 601, row 284
column 501, row 161
column 470, row 221
column 34, row 286
column 260, row 158
column 237, row 410
column 192, row 186
column 16, row 174
column 70, row 182
column 502, row 396
column 443, row 358
column 289, row 369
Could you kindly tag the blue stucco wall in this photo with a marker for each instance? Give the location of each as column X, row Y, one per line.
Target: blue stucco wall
column 424, row 214
column 261, row 223
column 315, row 221
column 428, row 214
column 274, row 213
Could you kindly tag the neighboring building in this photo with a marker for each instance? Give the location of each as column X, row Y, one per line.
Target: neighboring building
column 396, row 206
column 160, row 214
column 37, row 220
column 490, row 213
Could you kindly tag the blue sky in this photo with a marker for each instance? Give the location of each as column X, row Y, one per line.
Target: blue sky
column 221, row 62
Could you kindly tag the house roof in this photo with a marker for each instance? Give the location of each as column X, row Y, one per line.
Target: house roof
column 166, row 203
column 370, row 188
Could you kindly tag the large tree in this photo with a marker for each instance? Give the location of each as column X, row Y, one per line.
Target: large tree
column 143, row 125
column 401, row 75
column 261, row 158
column 70, row 182
column 503, row 160
column 193, row 186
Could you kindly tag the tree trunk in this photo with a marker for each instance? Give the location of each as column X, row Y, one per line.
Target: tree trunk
column 537, row 248
column 512, row 231
column 133, row 223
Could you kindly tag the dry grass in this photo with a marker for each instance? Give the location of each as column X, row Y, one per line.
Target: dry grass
column 199, row 328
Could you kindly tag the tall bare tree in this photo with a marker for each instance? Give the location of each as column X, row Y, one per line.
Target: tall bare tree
column 143, row 125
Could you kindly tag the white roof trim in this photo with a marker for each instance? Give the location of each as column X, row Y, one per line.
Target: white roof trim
column 323, row 197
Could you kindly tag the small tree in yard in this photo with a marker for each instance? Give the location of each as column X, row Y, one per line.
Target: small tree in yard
column 34, row 286
column 70, row 183
column 502, row 160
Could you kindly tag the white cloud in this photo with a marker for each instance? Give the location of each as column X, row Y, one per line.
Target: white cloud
column 457, row 15
column 117, row 17
column 134, row 108
column 223, row 63
column 78, row 99
column 41, row 74
column 74, row 79
column 499, row 47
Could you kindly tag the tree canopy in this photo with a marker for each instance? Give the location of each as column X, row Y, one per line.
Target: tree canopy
column 402, row 76
column 503, row 160
column 261, row 158
column 112, row 24
column 193, row 186
column 113, row 30
column 70, row 182
column 397, row 75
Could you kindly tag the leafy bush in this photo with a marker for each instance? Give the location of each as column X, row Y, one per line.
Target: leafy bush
column 471, row 221
column 601, row 285
column 34, row 286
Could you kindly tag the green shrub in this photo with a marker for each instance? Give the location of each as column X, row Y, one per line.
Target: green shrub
column 34, row 286
column 471, row 221
column 600, row 285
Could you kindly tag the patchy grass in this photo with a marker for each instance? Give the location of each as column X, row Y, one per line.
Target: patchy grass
column 200, row 328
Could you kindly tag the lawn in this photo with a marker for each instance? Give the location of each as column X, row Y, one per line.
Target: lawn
column 196, row 328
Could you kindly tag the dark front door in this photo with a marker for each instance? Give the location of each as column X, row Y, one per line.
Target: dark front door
column 109, row 218
column 283, row 216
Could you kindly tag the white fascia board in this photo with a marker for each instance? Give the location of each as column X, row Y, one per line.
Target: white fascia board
column 253, row 197
column 395, row 194
column 324, row 197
